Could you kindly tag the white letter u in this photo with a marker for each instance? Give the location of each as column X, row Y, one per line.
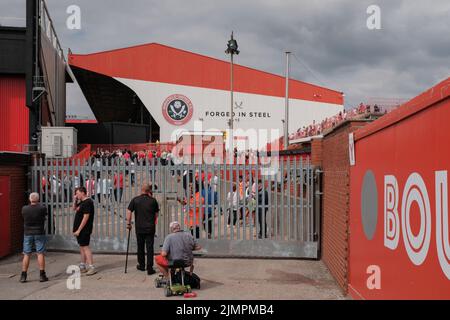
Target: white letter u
column 442, row 241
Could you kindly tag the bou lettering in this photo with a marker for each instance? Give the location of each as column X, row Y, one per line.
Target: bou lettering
column 397, row 218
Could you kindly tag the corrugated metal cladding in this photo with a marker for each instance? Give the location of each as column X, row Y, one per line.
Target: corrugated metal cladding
column 14, row 114
column 54, row 69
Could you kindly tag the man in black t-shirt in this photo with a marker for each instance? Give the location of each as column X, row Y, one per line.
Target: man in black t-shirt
column 145, row 209
column 82, row 229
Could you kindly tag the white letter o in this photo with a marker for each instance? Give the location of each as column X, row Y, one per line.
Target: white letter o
column 416, row 246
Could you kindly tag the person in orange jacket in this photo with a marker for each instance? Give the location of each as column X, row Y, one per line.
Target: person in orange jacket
column 196, row 209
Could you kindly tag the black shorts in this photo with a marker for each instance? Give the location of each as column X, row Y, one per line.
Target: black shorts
column 83, row 239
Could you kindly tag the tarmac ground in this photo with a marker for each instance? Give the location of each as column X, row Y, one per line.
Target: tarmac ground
column 222, row 279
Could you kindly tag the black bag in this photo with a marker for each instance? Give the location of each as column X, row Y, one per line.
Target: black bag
column 193, row 281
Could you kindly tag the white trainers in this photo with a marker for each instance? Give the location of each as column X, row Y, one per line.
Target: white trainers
column 83, row 268
column 91, row 271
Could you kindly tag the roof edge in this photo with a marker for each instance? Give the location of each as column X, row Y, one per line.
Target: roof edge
column 204, row 56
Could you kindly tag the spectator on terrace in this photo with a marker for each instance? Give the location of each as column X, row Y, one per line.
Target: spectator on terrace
column 361, row 108
column 126, row 156
column 164, row 158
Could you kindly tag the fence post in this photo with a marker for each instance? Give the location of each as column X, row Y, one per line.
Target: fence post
column 318, row 208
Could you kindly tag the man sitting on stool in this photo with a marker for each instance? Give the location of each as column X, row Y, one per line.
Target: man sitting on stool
column 177, row 246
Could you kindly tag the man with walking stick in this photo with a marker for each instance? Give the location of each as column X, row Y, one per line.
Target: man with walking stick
column 145, row 209
column 128, row 249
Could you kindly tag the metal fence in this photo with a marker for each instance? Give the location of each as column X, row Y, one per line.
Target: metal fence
column 268, row 215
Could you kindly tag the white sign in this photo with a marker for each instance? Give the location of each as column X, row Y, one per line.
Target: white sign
column 351, row 148
column 211, row 107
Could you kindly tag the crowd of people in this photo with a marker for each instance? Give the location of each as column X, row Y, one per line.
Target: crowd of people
column 60, row 186
column 106, row 157
column 246, row 198
column 329, row 123
column 248, row 156
column 164, row 157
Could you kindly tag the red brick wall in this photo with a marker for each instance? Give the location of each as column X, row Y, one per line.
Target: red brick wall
column 18, row 187
column 316, row 152
column 336, row 195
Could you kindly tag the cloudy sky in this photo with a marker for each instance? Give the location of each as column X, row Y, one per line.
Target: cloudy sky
column 330, row 38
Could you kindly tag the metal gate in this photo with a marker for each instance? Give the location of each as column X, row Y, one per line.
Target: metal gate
column 274, row 212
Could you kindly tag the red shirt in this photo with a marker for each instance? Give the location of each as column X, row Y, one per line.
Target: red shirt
column 90, row 187
column 44, row 183
column 120, row 180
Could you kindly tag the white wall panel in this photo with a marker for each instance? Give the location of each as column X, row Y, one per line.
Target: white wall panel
column 206, row 101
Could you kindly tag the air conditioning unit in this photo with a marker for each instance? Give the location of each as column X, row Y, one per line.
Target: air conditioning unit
column 59, row 142
column 58, row 146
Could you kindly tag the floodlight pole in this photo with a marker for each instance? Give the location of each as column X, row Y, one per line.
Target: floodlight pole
column 231, row 112
column 286, row 111
column 232, row 50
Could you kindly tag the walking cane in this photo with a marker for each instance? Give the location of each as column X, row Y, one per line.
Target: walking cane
column 128, row 248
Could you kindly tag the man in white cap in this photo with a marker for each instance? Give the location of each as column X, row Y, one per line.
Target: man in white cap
column 177, row 246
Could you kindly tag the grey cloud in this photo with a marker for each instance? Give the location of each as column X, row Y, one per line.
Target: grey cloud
column 406, row 57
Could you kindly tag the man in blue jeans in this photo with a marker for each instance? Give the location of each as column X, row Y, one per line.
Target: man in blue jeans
column 210, row 203
column 34, row 236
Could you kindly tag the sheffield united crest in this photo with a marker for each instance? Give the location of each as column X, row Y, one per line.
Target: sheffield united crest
column 177, row 109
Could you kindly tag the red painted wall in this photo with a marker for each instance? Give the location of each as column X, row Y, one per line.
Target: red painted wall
column 14, row 114
column 414, row 139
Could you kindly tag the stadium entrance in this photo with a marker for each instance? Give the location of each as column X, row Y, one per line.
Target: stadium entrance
column 233, row 210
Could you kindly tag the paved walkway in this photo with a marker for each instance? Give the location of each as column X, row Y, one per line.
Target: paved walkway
column 222, row 279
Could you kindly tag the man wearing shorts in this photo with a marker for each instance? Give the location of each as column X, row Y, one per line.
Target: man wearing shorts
column 34, row 236
column 82, row 229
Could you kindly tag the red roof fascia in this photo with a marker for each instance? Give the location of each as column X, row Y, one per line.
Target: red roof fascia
column 160, row 63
